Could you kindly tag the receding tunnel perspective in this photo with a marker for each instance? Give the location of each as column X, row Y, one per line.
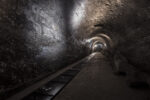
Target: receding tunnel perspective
column 74, row 50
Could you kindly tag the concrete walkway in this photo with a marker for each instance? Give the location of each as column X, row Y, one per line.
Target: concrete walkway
column 97, row 82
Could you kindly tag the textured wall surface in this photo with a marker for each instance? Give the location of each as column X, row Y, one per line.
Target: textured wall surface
column 125, row 21
column 34, row 40
column 39, row 36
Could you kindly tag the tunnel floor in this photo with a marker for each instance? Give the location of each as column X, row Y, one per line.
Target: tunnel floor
column 96, row 81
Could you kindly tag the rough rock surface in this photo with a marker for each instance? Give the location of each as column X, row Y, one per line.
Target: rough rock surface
column 37, row 34
column 34, row 40
column 126, row 22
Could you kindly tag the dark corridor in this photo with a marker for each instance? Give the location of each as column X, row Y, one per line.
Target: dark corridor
column 74, row 49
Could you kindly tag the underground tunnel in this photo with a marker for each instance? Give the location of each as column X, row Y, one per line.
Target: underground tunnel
column 74, row 49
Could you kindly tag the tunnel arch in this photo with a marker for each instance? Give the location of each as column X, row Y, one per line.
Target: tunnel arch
column 98, row 46
column 98, row 43
column 107, row 39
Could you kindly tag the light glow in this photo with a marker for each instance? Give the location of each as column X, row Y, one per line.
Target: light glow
column 78, row 14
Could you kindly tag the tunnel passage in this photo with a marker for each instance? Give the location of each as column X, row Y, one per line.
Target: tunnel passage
column 99, row 43
column 37, row 34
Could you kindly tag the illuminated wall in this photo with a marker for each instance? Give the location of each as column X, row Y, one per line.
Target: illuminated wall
column 40, row 36
column 48, row 29
column 125, row 21
column 34, row 39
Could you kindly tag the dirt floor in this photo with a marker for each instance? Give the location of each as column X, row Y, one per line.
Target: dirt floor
column 97, row 82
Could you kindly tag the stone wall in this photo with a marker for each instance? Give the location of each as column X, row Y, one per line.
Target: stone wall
column 34, row 40
column 40, row 36
column 125, row 21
